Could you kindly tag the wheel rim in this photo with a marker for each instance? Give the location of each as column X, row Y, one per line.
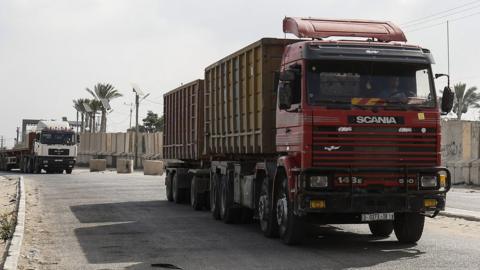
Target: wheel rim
column 174, row 189
column 223, row 199
column 262, row 214
column 192, row 192
column 282, row 213
column 213, row 193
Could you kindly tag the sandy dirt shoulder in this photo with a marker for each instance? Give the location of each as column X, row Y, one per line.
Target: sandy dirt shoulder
column 8, row 193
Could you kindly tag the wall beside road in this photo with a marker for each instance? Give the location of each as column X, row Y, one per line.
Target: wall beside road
column 460, row 150
column 113, row 146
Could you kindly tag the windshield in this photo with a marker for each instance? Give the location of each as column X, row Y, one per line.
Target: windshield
column 57, row 138
column 369, row 83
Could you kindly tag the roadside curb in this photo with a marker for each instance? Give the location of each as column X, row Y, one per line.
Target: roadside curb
column 13, row 252
column 459, row 213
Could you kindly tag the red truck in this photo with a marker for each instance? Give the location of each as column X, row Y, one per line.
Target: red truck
column 316, row 130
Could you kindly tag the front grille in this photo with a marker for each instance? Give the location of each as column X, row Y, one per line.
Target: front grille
column 58, row 152
column 374, row 147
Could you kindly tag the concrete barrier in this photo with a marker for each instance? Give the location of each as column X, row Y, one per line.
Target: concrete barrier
column 152, row 167
column 124, row 166
column 98, row 165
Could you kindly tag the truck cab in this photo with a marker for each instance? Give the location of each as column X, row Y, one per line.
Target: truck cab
column 358, row 123
column 52, row 147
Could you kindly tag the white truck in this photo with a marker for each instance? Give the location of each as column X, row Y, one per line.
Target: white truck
column 51, row 147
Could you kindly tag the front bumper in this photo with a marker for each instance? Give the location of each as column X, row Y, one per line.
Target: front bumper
column 356, row 200
column 56, row 162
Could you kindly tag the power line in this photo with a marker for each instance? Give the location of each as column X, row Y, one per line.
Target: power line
column 440, row 17
column 452, row 20
column 436, row 14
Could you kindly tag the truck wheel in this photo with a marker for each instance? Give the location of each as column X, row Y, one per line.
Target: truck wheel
column 29, row 168
column 196, row 199
column 381, row 228
column 290, row 226
column 214, row 196
column 227, row 211
column 168, row 187
column 266, row 213
column 21, row 165
column 408, row 227
column 68, row 171
column 36, row 166
column 177, row 193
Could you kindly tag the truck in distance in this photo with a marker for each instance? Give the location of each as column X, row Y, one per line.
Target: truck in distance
column 313, row 130
column 51, row 147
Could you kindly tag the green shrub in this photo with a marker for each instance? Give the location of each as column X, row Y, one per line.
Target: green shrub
column 7, row 226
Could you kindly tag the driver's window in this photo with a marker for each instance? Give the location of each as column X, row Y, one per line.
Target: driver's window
column 297, row 87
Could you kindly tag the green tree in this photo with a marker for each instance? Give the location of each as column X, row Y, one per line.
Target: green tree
column 465, row 99
column 95, row 106
column 152, row 122
column 78, row 105
column 107, row 92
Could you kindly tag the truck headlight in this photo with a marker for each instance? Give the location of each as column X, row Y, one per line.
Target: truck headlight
column 428, row 181
column 319, row 181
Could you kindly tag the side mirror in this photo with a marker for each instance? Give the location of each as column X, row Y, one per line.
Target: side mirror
column 284, row 95
column 447, row 100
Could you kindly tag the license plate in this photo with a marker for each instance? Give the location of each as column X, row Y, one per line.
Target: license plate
column 58, row 160
column 377, row 216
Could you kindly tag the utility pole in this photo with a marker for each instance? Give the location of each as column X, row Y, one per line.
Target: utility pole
column 137, row 102
column 448, row 50
column 18, row 133
column 131, row 111
column 138, row 93
column 1, row 142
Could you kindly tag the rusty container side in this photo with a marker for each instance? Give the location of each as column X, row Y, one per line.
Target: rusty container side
column 240, row 100
column 183, row 126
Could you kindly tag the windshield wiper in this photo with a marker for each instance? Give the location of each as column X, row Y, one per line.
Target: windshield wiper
column 404, row 106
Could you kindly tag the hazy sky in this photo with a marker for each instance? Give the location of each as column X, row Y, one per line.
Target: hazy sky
column 51, row 50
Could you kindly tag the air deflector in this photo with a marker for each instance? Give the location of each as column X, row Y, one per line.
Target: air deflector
column 322, row 28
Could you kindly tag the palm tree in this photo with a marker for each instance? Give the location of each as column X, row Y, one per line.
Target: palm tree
column 464, row 99
column 78, row 105
column 107, row 92
column 95, row 105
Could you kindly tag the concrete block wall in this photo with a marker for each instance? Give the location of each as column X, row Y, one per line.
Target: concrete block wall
column 461, row 150
column 115, row 146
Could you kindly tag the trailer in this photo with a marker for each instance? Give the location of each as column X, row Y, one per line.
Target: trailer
column 51, row 147
column 320, row 131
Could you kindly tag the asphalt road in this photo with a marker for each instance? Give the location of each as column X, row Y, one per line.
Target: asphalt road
column 109, row 221
column 464, row 198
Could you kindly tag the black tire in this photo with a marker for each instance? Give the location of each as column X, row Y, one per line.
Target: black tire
column 68, row 171
column 228, row 212
column 168, row 187
column 37, row 168
column 22, row 165
column 408, row 227
column 177, row 192
column 266, row 213
column 29, row 168
column 214, row 196
column 196, row 199
column 290, row 226
column 381, row 228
